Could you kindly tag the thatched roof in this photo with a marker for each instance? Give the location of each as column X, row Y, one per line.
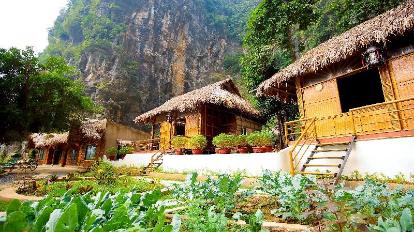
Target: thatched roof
column 93, row 129
column 379, row 30
column 39, row 140
column 223, row 93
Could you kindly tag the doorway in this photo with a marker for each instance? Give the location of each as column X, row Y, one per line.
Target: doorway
column 57, row 154
column 361, row 89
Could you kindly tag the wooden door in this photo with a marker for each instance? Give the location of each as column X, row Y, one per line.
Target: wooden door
column 165, row 135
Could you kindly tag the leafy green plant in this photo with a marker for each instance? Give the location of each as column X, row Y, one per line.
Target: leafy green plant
column 104, row 172
column 98, row 212
column 219, row 192
column 296, row 195
column 179, row 142
column 224, row 140
column 111, row 151
column 404, row 224
column 241, row 141
column 126, row 150
column 260, row 138
column 197, row 142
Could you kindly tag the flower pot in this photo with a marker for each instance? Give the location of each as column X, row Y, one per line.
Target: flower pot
column 111, row 157
column 243, row 149
column 258, row 150
column 267, row 148
column 197, row 151
column 224, row 151
column 179, row 151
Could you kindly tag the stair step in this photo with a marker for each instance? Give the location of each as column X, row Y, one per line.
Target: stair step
column 332, row 144
column 322, row 165
column 330, row 150
column 327, row 157
column 318, row 173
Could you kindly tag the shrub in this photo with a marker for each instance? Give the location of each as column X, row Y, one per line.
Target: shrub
column 104, row 172
column 241, row 141
column 179, row 142
column 126, row 150
column 224, row 141
column 260, row 138
column 197, row 142
column 111, row 151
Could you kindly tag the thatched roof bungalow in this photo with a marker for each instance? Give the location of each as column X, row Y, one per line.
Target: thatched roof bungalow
column 359, row 82
column 210, row 110
column 84, row 143
column 381, row 31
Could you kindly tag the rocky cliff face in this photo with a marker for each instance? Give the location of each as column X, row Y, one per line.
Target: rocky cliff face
column 136, row 54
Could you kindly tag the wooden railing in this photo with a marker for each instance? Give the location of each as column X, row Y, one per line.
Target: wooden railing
column 147, row 144
column 392, row 116
column 306, row 132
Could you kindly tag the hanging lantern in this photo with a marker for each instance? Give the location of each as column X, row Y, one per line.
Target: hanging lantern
column 373, row 57
column 169, row 117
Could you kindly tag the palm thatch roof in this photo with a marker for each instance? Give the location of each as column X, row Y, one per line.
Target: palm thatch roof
column 39, row 140
column 223, row 93
column 93, row 129
column 379, row 30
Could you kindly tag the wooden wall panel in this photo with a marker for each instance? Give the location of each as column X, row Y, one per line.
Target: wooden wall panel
column 321, row 102
column 402, row 71
column 248, row 125
column 192, row 124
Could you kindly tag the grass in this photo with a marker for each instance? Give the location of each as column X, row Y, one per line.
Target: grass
column 3, row 205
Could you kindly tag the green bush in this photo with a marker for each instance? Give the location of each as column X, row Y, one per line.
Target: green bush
column 111, row 151
column 126, row 150
column 104, row 172
column 241, row 141
column 197, row 142
column 260, row 138
column 179, row 142
column 224, row 140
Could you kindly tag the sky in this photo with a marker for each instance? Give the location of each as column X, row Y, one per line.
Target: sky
column 26, row 22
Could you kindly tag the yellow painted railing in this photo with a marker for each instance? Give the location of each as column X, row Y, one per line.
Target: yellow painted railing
column 392, row 116
column 306, row 135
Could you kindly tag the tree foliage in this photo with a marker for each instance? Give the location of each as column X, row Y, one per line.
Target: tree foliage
column 37, row 96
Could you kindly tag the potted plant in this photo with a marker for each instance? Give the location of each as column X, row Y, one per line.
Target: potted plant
column 267, row 140
column 224, row 143
column 197, row 144
column 242, row 145
column 111, row 153
column 254, row 139
column 125, row 150
column 179, row 142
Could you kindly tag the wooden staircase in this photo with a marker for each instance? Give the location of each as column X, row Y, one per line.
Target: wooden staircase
column 328, row 159
column 156, row 162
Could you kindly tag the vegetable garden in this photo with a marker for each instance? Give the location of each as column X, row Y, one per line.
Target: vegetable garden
column 218, row 204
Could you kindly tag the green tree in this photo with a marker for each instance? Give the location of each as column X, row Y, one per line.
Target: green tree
column 38, row 97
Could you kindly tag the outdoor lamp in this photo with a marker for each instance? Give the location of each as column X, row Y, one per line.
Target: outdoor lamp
column 373, row 57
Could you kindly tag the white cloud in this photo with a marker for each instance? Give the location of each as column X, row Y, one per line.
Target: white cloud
column 26, row 22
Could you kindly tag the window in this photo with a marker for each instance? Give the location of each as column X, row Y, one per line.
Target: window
column 180, row 127
column 74, row 155
column 90, row 152
column 359, row 90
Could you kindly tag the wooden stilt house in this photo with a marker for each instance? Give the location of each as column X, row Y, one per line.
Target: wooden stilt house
column 358, row 84
column 211, row 110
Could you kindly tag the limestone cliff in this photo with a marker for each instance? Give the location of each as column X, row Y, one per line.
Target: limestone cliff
column 135, row 54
